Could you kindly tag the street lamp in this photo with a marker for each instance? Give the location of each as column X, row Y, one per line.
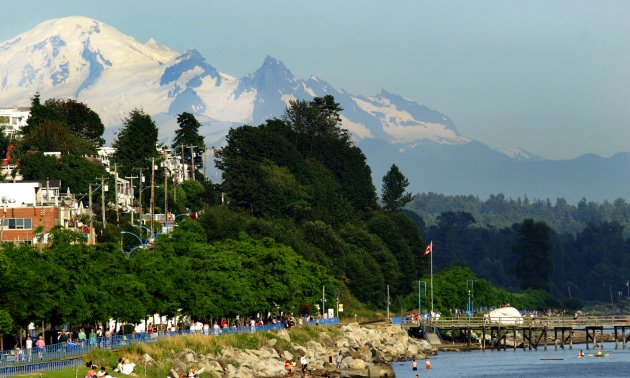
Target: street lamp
column 468, row 309
column 132, row 250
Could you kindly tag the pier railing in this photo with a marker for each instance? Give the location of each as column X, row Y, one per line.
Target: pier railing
column 526, row 321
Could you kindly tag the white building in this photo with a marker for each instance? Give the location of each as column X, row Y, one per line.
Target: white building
column 13, row 119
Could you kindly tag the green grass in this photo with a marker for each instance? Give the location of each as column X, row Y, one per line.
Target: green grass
column 165, row 350
column 71, row 373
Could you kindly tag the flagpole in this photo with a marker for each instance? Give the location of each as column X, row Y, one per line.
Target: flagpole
column 431, row 278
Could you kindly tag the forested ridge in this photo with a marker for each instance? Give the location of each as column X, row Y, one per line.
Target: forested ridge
column 584, row 258
column 296, row 211
column 499, row 211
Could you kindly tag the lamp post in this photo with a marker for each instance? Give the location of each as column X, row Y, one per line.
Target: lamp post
column 469, row 310
column 470, row 285
column 142, row 244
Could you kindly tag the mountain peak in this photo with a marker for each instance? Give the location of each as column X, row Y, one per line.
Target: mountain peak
column 273, row 68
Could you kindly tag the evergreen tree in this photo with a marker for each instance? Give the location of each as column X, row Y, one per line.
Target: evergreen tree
column 187, row 136
column 394, row 186
column 136, row 142
column 533, row 248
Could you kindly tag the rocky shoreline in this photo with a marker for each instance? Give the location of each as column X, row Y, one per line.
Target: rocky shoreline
column 366, row 352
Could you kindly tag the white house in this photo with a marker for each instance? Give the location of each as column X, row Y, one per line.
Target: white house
column 13, row 119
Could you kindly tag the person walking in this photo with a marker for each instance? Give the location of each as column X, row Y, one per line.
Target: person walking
column 41, row 345
column 82, row 337
column 339, row 359
column 29, row 348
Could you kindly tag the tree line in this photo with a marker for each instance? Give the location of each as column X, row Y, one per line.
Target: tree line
column 590, row 265
column 500, row 212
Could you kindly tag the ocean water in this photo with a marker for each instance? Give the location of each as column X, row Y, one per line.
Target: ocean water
column 521, row 363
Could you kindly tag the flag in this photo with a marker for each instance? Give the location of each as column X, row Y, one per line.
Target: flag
column 429, row 249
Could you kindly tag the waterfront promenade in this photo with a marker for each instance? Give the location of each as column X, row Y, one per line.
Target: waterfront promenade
column 69, row 354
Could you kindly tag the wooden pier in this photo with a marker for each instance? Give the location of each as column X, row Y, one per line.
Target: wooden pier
column 529, row 333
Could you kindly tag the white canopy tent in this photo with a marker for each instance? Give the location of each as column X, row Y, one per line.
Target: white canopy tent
column 505, row 315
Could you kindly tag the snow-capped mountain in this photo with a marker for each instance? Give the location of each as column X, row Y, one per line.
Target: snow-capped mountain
column 81, row 58
column 113, row 73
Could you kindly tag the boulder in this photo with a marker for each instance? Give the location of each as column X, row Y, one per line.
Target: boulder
column 284, row 334
column 356, row 364
column 287, row 355
column 147, row 360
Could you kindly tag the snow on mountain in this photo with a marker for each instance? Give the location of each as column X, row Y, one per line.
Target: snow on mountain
column 519, row 154
column 78, row 57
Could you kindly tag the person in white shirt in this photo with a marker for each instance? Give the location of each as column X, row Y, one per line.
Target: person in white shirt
column 29, row 348
column 304, row 363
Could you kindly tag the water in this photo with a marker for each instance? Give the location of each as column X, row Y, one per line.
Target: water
column 521, row 363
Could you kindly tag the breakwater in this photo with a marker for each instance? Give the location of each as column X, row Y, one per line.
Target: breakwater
column 365, row 351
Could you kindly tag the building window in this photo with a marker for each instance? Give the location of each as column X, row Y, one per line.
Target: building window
column 17, row 223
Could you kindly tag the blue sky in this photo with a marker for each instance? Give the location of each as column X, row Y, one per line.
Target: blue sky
column 548, row 76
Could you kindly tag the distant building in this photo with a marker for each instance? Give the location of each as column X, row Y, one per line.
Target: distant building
column 12, row 120
column 25, row 206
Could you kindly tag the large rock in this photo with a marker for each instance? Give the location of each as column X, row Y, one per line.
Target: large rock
column 287, row 355
column 284, row 334
column 356, row 364
column 147, row 360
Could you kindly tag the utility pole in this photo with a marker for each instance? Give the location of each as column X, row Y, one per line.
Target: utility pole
column 183, row 162
column 205, row 156
column 116, row 192
column 165, row 198
column 192, row 160
column 91, row 235
column 103, row 200
column 152, row 193
column 133, row 197
column 140, row 192
column 323, row 300
column 387, row 304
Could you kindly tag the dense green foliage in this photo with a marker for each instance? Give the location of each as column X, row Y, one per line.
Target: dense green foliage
column 188, row 142
column 75, row 172
column 78, row 284
column 136, row 142
column 304, row 183
column 594, row 263
column 66, row 126
column 499, row 212
column 393, row 192
column 451, row 288
column 534, row 263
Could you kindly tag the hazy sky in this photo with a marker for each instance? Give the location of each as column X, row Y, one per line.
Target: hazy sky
column 549, row 76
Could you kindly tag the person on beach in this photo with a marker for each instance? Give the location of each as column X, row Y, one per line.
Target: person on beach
column 339, row 359
column 414, row 365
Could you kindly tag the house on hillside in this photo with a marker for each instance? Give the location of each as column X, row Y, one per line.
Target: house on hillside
column 13, row 119
column 25, row 206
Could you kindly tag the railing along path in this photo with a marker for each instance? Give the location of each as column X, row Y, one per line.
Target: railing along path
column 524, row 322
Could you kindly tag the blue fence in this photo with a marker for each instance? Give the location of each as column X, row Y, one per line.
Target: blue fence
column 11, row 371
column 53, row 357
